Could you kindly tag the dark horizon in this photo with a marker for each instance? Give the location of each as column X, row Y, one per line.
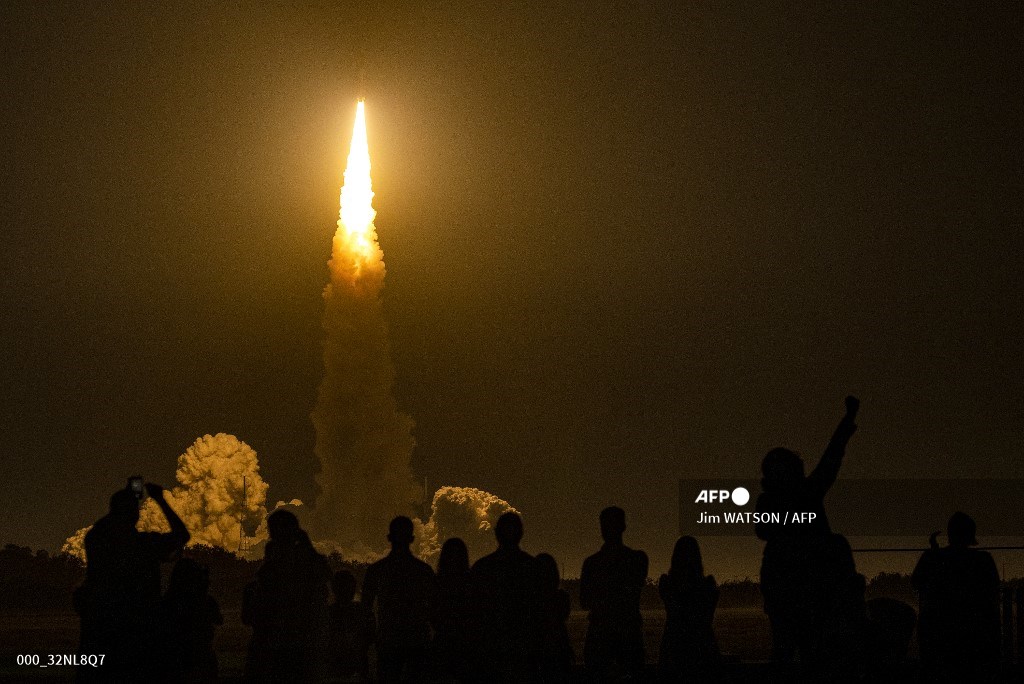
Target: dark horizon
column 624, row 247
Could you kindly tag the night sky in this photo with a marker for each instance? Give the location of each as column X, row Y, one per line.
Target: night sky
column 624, row 245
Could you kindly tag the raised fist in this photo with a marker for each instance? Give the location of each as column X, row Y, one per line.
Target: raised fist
column 852, row 404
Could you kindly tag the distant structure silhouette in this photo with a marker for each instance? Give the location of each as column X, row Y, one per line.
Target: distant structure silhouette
column 803, row 560
column 451, row 613
column 286, row 605
column 506, row 589
column 120, row 599
column 352, row 632
column 610, row 586
column 689, row 651
column 400, row 586
column 958, row 631
column 190, row 617
column 555, row 657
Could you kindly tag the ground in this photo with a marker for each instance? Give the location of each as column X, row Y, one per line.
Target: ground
column 742, row 633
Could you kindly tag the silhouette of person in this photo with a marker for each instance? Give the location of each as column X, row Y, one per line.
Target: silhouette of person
column 120, row 597
column 190, row 618
column 689, row 650
column 556, row 657
column 352, row 631
column 841, row 629
column 400, row 585
column 610, row 585
column 800, row 560
column 451, row 613
column 890, row 628
column 506, row 589
column 287, row 607
column 958, row 631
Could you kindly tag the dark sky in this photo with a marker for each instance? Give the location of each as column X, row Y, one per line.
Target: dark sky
column 624, row 244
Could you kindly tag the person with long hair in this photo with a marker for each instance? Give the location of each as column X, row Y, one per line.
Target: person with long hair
column 689, row 651
column 556, row 657
column 451, row 613
column 802, row 562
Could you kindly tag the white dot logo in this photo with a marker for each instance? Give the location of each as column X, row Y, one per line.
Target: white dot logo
column 740, row 496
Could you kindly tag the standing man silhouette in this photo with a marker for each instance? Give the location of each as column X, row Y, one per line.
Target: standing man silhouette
column 610, row 586
column 507, row 592
column 958, row 631
column 287, row 607
column 400, row 585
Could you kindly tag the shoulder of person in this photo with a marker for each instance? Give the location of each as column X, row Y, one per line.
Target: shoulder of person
column 372, row 570
column 485, row 563
column 982, row 557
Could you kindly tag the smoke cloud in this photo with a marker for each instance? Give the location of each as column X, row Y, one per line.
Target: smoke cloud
column 463, row 512
column 208, row 497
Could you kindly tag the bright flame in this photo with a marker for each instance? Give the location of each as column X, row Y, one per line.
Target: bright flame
column 355, row 227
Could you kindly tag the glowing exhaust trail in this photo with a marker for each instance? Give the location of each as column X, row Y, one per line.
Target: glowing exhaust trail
column 355, row 227
column 363, row 441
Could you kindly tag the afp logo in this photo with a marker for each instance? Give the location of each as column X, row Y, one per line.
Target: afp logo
column 739, row 496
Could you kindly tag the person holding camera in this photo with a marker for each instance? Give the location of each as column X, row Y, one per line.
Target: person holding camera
column 119, row 600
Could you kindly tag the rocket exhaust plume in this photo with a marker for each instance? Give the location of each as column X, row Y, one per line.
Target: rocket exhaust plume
column 363, row 441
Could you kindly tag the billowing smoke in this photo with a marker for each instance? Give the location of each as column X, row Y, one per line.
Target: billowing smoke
column 363, row 441
column 75, row 544
column 463, row 512
column 209, row 496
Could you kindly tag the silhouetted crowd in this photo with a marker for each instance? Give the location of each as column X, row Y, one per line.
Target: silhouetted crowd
column 504, row 618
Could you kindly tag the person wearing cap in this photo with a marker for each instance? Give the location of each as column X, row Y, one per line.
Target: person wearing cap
column 958, row 586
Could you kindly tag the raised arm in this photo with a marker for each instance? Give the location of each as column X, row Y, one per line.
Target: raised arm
column 827, row 470
column 179, row 535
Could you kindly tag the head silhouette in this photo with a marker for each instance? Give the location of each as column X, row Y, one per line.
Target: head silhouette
column 547, row 572
column 961, row 530
column 454, row 559
column 613, row 523
column 125, row 506
column 509, row 530
column 687, row 563
column 782, row 470
column 344, row 586
column 283, row 527
column 400, row 532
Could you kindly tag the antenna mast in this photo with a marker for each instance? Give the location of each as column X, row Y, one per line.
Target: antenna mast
column 242, row 546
